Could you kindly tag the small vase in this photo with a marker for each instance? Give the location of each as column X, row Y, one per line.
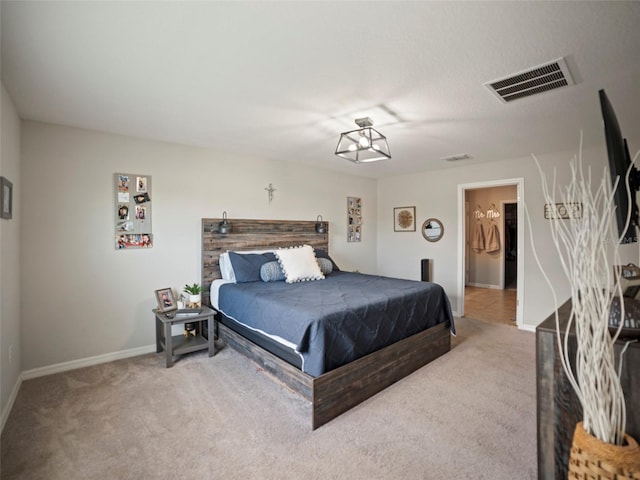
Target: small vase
column 592, row 458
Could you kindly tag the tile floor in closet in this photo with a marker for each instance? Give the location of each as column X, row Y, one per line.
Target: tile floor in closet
column 491, row 305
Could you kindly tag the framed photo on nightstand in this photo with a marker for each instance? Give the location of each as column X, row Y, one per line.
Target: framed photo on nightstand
column 166, row 302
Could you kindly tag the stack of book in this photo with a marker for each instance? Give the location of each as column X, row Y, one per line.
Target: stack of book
column 184, row 312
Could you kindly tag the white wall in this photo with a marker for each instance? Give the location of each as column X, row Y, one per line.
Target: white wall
column 80, row 296
column 10, row 259
column 435, row 194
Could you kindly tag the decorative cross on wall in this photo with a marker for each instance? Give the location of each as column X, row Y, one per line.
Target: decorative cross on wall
column 270, row 189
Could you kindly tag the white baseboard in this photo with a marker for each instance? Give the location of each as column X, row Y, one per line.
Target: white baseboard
column 484, row 285
column 9, row 406
column 86, row 362
column 527, row 328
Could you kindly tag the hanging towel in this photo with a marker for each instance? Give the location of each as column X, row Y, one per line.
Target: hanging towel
column 477, row 242
column 493, row 238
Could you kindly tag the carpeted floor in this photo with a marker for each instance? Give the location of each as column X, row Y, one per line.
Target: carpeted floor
column 468, row 414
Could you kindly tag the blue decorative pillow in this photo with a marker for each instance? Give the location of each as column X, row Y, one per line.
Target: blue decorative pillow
column 326, row 267
column 271, row 272
column 323, row 254
column 247, row 267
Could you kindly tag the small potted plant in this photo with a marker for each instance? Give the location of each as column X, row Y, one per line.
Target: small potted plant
column 194, row 294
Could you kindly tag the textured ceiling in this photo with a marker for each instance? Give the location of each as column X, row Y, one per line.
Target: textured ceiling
column 278, row 79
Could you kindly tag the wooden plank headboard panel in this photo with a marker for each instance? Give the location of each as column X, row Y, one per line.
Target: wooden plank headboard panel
column 253, row 235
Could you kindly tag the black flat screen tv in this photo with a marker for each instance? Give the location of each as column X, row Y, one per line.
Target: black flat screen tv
column 619, row 162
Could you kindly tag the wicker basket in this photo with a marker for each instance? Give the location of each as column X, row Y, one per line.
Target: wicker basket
column 593, row 459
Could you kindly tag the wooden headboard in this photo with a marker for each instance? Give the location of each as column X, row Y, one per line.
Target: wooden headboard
column 253, row 235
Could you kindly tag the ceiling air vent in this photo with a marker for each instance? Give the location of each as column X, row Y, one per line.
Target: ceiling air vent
column 455, row 158
column 536, row 80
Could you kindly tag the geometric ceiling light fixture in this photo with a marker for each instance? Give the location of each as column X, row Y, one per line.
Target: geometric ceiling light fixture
column 363, row 145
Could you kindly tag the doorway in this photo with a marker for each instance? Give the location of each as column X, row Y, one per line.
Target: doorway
column 501, row 293
column 510, row 236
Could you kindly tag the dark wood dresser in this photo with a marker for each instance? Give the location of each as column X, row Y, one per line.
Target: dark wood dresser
column 558, row 406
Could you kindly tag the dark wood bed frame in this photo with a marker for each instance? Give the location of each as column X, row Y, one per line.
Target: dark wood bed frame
column 338, row 390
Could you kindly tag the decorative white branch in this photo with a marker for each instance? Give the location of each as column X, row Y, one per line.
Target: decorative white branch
column 588, row 251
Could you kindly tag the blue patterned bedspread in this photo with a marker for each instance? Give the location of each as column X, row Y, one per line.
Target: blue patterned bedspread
column 339, row 319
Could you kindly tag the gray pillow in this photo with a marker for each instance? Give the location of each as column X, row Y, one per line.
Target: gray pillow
column 326, row 266
column 323, row 254
column 271, row 272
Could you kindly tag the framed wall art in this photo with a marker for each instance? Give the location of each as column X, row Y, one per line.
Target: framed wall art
column 563, row 211
column 132, row 211
column 404, row 219
column 354, row 219
column 6, row 198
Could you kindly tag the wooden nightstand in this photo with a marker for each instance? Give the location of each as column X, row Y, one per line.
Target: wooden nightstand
column 180, row 344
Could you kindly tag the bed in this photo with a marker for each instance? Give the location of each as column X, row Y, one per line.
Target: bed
column 345, row 348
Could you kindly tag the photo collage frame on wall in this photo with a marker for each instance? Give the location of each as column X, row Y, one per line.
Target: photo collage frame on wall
column 132, row 211
column 354, row 219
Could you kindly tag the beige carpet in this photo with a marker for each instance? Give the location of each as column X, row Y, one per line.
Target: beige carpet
column 469, row 414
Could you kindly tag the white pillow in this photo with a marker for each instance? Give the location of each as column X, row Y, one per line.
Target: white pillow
column 226, row 269
column 299, row 264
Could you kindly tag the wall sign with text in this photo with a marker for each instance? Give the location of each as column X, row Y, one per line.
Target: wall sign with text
column 563, row 211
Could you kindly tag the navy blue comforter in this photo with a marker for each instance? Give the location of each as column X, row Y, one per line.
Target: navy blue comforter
column 339, row 319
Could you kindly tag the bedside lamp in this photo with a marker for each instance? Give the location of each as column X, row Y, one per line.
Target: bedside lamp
column 224, row 226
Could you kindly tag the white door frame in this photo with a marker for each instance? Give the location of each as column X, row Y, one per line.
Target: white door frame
column 462, row 188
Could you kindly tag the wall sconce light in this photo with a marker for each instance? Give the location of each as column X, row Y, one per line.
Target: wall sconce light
column 363, row 145
column 224, row 226
column 320, row 227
